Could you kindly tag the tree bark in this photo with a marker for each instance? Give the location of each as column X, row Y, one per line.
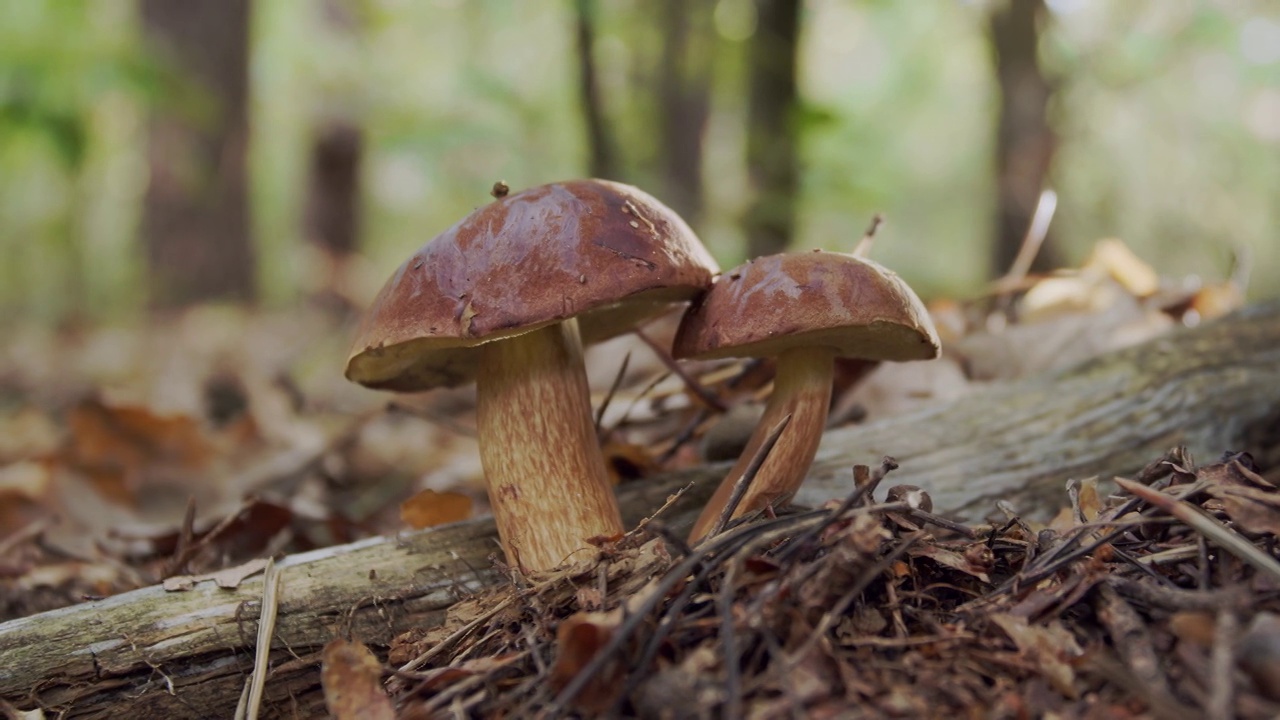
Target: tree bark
column 1024, row 141
column 773, row 164
column 196, row 217
column 332, row 215
column 149, row 653
column 602, row 152
column 684, row 99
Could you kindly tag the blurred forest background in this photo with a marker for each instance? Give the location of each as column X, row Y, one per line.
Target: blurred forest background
column 159, row 153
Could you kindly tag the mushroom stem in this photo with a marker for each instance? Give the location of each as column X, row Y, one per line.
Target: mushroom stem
column 546, row 475
column 801, row 389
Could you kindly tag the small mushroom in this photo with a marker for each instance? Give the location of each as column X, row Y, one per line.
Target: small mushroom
column 805, row 309
column 507, row 297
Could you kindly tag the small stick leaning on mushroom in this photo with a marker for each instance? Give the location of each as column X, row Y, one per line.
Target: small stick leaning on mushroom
column 507, row 297
column 805, row 309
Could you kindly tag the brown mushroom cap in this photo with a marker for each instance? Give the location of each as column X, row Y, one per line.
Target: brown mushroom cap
column 609, row 254
column 771, row 304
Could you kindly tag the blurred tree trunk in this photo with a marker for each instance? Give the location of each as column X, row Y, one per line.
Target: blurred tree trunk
column 772, row 159
column 1024, row 141
column 684, row 101
column 331, row 215
column 601, row 149
column 196, row 220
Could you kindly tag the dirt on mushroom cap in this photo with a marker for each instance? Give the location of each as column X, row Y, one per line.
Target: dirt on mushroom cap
column 608, row 253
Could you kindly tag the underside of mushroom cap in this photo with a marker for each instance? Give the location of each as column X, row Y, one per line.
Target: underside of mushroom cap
column 609, row 254
column 770, row 304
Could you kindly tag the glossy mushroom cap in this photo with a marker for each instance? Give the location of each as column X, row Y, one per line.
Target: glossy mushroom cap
column 775, row 303
column 607, row 253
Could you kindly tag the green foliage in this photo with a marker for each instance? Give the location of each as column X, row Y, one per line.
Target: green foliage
column 1168, row 123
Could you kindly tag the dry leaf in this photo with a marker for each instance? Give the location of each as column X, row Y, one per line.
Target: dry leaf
column 952, row 559
column 578, row 640
column 1115, row 258
column 1197, row 628
column 429, row 508
column 117, row 445
column 1051, row 648
column 352, row 681
column 1247, row 498
column 1217, row 299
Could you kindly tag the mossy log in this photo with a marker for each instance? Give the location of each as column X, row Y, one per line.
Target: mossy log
column 151, row 653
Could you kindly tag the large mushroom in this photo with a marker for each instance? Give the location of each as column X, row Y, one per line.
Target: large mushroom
column 805, row 309
column 507, row 297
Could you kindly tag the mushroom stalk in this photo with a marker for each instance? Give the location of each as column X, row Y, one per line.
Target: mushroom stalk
column 542, row 462
column 801, row 389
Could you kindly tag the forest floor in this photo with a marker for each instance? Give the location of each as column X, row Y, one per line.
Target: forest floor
column 204, row 441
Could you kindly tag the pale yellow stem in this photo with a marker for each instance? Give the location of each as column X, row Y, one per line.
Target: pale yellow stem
column 801, row 389
column 545, row 472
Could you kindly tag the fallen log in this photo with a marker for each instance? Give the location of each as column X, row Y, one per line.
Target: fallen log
column 151, row 653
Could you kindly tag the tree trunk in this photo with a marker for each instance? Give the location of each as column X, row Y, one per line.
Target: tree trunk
column 332, row 215
column 196, row 220
column 772, row 155
column 602, row 151
column 149, row 653
column 1024, row 142
column 684, row 99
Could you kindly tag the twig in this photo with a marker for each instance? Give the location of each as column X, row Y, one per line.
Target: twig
column 457, row 635
column 729, row 643
column 945, row 523
column 863, row 248
column 1221, row 665
column 182, row 553
column 1037, row 230
column 744, row 482
column 613, row 389
column 1173, row 599
column 22, row 534
column 887, row 465
column 694, row 386
column 715, row 547
column 838, row 609
column 644, row 392
column 1225, row 537
column 262, row 653
column 671, row 500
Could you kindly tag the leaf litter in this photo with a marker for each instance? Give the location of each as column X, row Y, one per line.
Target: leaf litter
column 866, row 609
column 1115, row 608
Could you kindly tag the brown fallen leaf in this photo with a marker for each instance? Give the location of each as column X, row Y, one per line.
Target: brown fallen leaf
column 578, row 639
column 1114, row 258
column 117, row 445
column 430, row 508
column 1246, row 497
column 1051, row 648
column 966, row 562
column 352, row 681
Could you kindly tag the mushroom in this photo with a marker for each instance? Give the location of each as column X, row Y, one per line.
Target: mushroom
column 507, row 297
column 805, row 309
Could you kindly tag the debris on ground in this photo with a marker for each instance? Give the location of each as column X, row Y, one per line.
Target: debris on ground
column 1162, row 600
